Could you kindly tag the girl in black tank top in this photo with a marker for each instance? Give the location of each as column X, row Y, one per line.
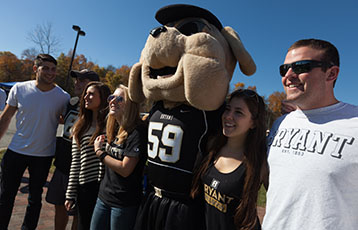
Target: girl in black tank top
column 233, row 171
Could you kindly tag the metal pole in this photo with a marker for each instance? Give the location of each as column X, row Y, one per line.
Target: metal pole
column 73, row 56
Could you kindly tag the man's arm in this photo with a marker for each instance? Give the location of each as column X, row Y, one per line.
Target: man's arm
column 5, row 118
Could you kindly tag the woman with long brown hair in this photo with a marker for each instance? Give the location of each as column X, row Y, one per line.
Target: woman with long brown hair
column 233, row 171
column 86, row 169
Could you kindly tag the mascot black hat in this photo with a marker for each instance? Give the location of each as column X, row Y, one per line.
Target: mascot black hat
column 176, row 12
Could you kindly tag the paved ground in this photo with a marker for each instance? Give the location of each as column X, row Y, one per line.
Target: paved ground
column 46, row 221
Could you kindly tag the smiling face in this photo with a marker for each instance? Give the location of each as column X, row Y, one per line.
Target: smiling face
column 307, row 90
column 237, row 119
column 116, row 106
column 45, row 73
column 92, row 99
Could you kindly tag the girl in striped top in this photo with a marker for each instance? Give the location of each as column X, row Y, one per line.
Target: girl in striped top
column 86, row 169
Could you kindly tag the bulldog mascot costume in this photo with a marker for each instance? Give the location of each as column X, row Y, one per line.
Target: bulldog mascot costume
column 185, row 68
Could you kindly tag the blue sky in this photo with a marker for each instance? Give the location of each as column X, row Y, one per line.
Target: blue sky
column 116, row 31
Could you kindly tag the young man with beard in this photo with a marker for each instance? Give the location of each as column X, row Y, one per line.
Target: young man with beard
column 39, row 104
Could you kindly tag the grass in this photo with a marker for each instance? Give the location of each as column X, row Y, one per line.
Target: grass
column 261, row 200
column 2, row 153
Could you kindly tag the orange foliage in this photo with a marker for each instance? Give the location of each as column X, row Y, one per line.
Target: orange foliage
column 239, row 85
column 275, row 100
column 11, row 68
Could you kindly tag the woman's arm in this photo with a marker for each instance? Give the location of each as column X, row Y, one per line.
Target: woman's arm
column 123, row 167
column 71, row 192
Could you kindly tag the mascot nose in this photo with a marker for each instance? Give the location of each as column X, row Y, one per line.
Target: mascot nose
column 156, row 31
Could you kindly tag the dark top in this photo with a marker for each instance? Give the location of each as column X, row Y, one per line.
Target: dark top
column 64, row 144
column 175, row 137
column 222, row 193
column 118, row 191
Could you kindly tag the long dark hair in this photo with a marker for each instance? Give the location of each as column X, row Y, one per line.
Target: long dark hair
column 85, row 116
column 254, row 159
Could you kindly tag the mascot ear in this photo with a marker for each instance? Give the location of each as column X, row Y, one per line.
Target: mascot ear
column 247, row 64
column 135, row 87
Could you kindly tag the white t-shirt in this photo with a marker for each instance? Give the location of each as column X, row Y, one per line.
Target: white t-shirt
column 37, row 118
column 313, row 162
column 2, row 99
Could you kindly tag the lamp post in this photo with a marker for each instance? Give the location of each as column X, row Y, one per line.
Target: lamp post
column 79, row 32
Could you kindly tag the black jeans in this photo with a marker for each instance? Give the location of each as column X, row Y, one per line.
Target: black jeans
column 86, row 201
column 12, row 169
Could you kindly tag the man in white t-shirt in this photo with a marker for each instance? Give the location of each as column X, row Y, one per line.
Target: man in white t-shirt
column 39, row 104
column 2, row 99
column 313, row 150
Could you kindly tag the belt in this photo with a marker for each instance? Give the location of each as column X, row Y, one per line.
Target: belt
column 173, row 195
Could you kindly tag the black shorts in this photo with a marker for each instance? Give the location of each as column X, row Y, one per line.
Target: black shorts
column 158, row 213
column 57, row 188
column 56, row 192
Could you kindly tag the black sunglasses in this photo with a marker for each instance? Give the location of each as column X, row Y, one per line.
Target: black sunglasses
column 249, row 93
column 189, row 26
column 303, row 66
column 118, row 98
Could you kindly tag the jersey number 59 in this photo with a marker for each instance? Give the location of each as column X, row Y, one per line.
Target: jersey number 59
column 171, row 136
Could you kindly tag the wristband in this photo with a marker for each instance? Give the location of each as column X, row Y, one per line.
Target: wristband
column 102, row 156
column 97, row 151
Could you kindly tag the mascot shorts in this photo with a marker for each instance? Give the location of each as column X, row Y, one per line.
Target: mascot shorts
column 158, row 213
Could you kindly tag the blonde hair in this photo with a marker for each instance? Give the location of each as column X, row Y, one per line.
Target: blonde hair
column 130, row 118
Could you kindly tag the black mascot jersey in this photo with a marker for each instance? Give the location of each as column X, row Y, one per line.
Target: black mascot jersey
column 175, row 137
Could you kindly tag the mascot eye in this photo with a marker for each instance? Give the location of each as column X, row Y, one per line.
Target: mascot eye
column 191, row 27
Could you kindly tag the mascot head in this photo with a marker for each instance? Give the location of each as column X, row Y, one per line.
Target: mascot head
column 189, row 59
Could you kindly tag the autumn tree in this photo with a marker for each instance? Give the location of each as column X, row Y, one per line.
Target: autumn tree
column 14, row 69
column 240, row 85
column 27, row 69
column 274, row 106
column 115, row 76
column 101, row 71
column 123, row 71
column 10, row 68
column 29, row 54
column 63, row 63
column 112, row 80
column 44, row 39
